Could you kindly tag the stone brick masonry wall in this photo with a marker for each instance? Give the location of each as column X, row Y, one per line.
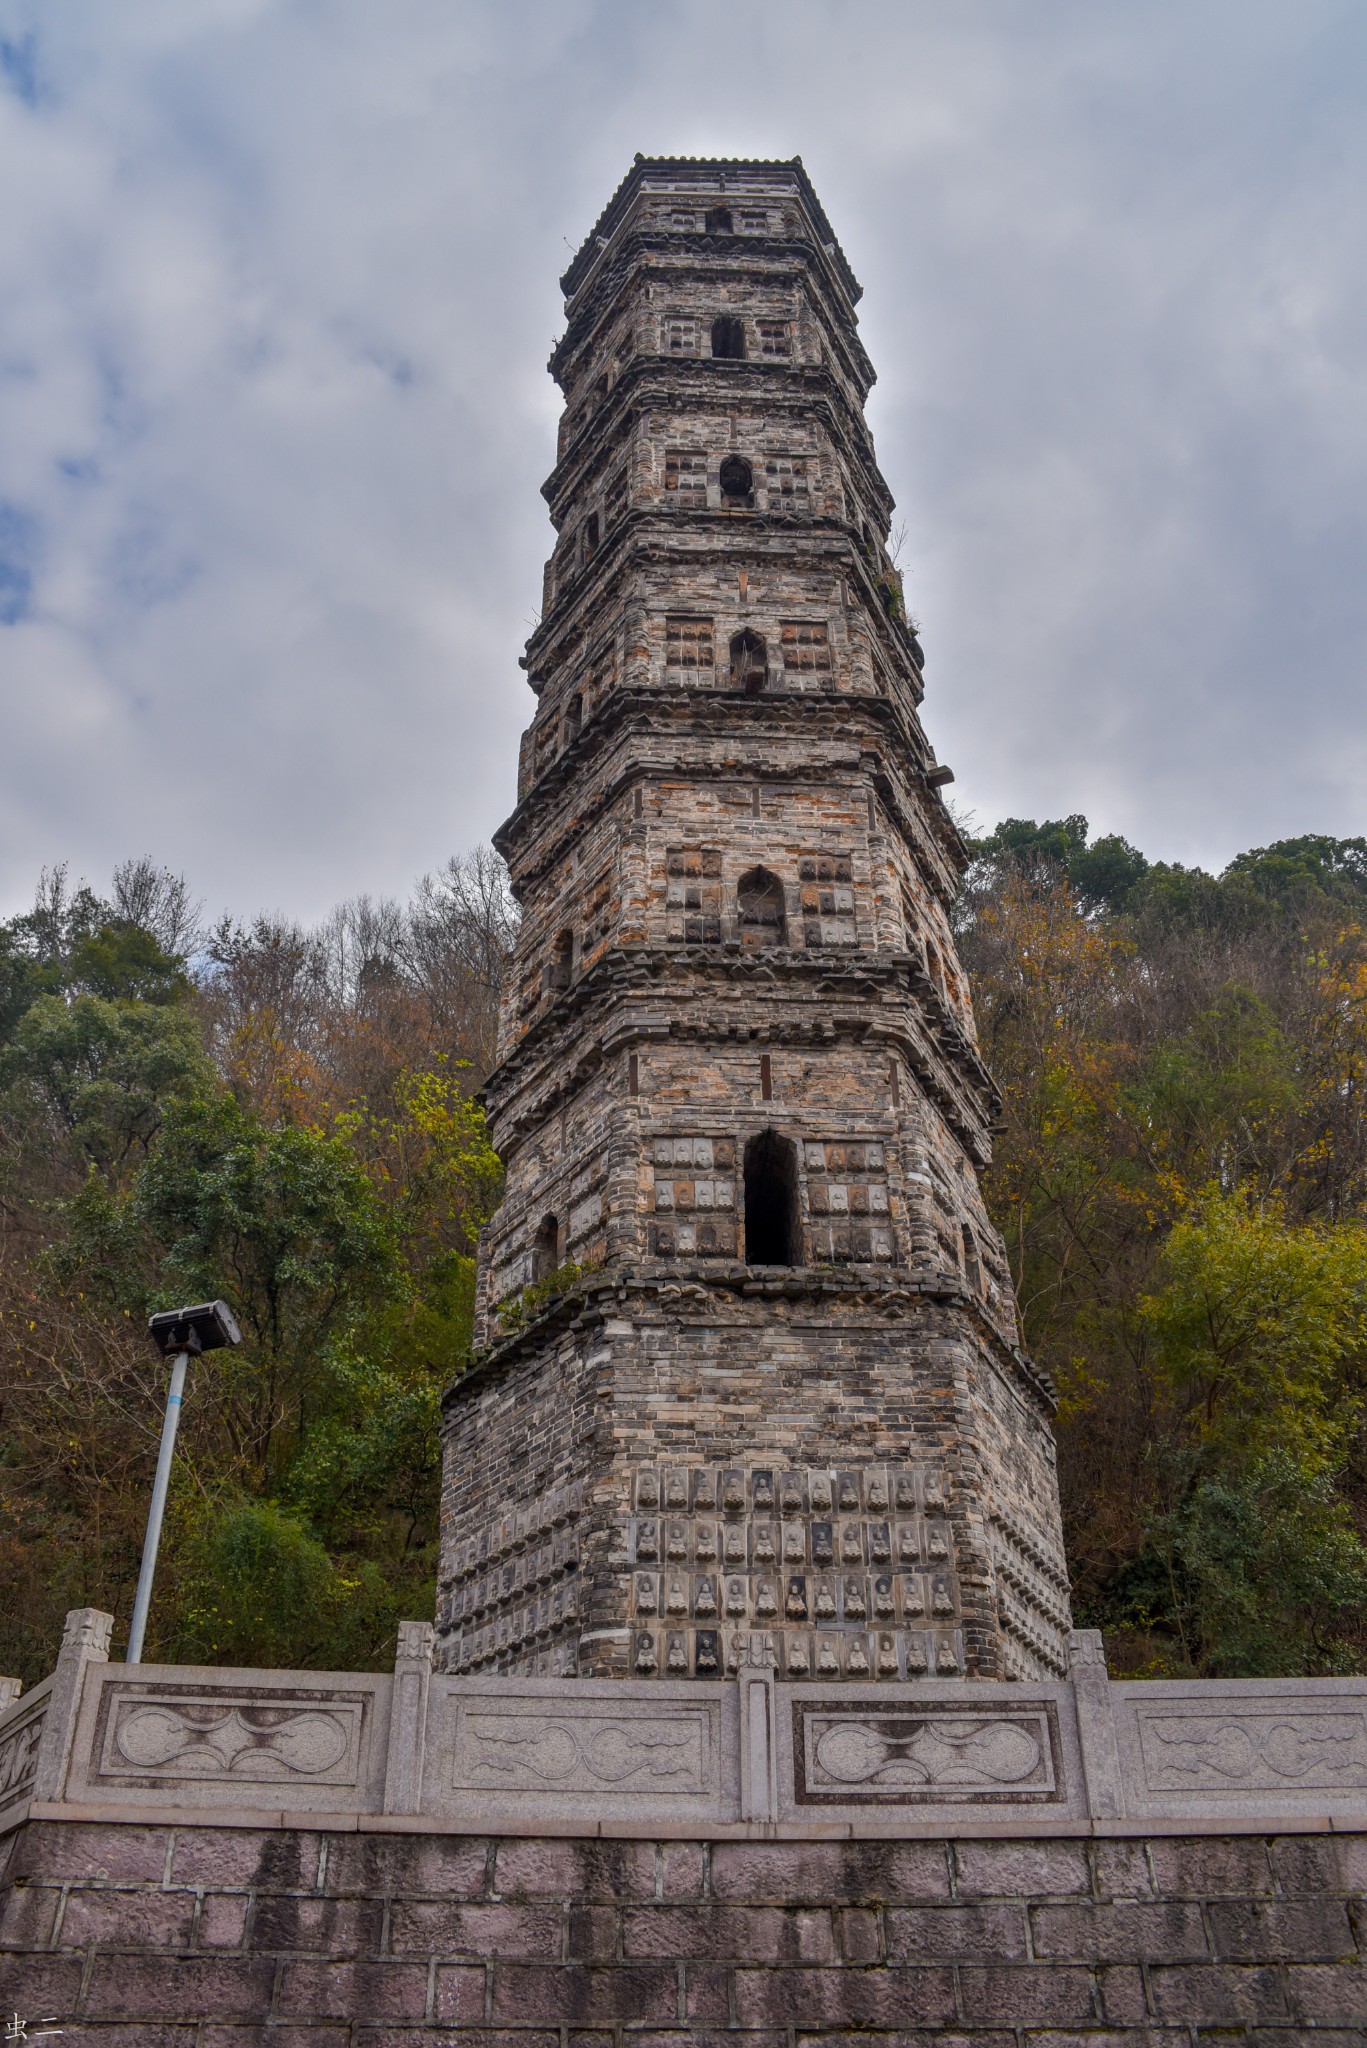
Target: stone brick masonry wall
column 215, row 1937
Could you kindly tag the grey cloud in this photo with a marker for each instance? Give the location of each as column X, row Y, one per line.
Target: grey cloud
column 273, row 411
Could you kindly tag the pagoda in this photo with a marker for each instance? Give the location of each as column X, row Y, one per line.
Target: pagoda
column 749, row 1386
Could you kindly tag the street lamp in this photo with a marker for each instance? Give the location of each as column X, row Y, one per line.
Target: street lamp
column 179, row 1334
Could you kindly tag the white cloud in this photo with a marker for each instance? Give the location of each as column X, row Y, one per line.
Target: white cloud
column 274, row 310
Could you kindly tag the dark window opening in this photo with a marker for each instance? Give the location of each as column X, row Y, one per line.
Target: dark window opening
column 759, row 904
column 590, row 534
column 772, row 1236
column 766, row 1078
column 728, row 338
column 973, row 1271
column 546, row 1249
column 574, row 718
column 749, row 663
column 634, row 1074
column 719, row 220
column 737, row 480
column 562, row 960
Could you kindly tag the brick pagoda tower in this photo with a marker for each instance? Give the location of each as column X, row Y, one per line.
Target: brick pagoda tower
column 750, row 1386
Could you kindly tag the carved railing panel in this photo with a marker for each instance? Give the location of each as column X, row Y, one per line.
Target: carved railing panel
column 252, row 1739
column 684, row 1755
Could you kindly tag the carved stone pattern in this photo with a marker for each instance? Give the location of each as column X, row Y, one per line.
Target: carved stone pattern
column 925, row 1756
column 414, row 1642
column 515, row 1629
column 1032, row 1598
column 1086, row 1650
column 515, row 1604
column 844, row 1573
column 199, row 1733
column 19, row 1753
column 594, row 1752
column 1261, row 1750
column 88, row 1629
column 512, row 1533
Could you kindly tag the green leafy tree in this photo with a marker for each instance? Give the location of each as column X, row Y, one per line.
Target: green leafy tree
column 256, row 1587
column 99, row 1075
column 288, row 1226
column 1258, row 1334
column 1218, row 1100
column 123, row 963
column 1259, row 1330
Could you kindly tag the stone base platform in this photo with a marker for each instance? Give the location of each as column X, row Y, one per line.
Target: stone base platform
column 220, row 1936
column 213, row 1857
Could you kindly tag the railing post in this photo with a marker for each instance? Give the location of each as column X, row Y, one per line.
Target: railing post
column 85, row 1640
column 758, row 1741
column 1095, row 1724
column 408, row 1717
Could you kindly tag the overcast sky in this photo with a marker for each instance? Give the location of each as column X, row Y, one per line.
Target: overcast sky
column 277, row 287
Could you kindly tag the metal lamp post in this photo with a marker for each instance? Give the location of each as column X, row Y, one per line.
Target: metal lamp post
column 179, row 1334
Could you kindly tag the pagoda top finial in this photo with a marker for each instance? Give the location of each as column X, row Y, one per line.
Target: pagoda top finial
column 687, row 174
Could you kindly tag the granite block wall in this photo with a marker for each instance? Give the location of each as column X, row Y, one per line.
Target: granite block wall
column 225, row 1937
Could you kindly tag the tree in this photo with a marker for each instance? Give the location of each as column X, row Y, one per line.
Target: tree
column 122, row 963
column 287, row 1120
column 287, row 1225
column 100, row 1075
column 159, row 903
column 1259, row 1333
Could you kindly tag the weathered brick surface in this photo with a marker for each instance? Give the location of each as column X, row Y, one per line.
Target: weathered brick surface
column 269, row 1859
column 1020, row 1868
column 1125, row 1933
column 424, row 1939
column 793, row 1872
column 736, row 872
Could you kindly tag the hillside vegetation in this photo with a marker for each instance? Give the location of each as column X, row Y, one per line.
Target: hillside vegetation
column 284, row 1118
column 287, row 1118
column 1181, row 1179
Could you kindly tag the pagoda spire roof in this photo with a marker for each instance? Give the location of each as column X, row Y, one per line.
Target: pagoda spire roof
column 700, row 170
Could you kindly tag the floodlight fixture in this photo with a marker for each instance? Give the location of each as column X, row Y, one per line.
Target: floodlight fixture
column 206, row 1328
column 179, row 1334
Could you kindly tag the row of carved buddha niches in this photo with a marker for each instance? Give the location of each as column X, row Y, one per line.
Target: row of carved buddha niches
column 820, row 1572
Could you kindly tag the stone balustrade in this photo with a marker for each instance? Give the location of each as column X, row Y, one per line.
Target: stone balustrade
column 748, row 1755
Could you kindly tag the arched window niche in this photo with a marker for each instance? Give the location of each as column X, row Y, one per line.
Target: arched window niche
column 728, row 338
column 719, row 220
column 562, row 960
column 546, row 1248
column 749, row 663
column 773, row 1235
column 761, row 918
column 737, row 480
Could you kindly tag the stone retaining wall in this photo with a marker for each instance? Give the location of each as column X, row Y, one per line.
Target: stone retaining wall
column 218, row 1858
column 225, row 1936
